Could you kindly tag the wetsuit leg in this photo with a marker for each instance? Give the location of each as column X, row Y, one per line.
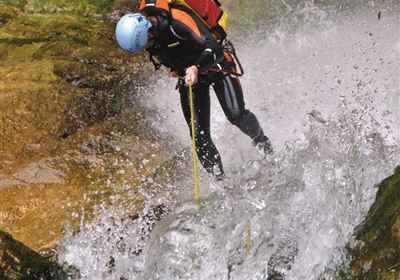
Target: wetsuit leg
column 206, row 150
column 230, row 96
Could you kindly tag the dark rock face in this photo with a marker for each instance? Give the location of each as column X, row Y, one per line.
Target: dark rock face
column 377, row 253
column 19, row 262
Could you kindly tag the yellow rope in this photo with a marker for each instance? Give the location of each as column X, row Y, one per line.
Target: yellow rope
column 195, row 178
column 248, row 239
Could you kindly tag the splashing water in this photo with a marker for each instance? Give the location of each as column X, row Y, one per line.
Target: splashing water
column 325, row 87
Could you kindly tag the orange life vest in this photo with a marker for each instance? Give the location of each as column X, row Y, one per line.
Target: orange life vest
column 208, row 11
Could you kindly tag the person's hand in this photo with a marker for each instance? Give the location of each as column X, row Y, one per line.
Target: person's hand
column 191, row 75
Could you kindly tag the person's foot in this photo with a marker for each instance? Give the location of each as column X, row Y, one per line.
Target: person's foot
column 263, row 143
column 220, row 177
column 218, row 174
column 266, row 147
column 216, row 171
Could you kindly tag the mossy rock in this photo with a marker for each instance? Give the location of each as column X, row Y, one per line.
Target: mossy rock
column 7, row 13
column 20, row 262
column 69, row 99
column 377, row 254
column 57, row 65
column 15, row 3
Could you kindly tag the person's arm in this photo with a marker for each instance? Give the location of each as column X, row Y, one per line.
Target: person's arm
column 201, row 39
column 211, row 51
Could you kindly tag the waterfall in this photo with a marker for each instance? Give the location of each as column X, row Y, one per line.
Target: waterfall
column 324, row 82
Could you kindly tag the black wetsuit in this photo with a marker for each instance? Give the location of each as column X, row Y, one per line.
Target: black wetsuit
column 185, row 41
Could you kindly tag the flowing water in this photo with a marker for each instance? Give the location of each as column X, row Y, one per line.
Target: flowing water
column 324, row 83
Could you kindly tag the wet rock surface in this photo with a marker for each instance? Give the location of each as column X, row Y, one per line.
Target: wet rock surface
column 73, row 128
column 72, row 124
column 20, row 262
column 39, row 173
column 376, row 254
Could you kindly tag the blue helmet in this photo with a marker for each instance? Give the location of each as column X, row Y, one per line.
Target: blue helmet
column 131, row 32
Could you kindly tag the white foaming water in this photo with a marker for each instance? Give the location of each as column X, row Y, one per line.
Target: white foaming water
column 327, row 94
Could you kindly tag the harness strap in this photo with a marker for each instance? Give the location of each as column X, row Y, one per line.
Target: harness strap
column 234, row 61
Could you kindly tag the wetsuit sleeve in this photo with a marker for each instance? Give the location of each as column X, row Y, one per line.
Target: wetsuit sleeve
column 211, row 51
column 209, row 57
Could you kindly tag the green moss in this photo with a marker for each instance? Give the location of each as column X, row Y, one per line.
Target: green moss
column 388, row 194
column 22, row 41
column 6, row 13
column 20, row 262
column 378, row 251
column 15, row 3
column 72, row 6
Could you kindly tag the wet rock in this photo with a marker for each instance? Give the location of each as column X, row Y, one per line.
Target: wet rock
column 377, row 252
column 20, row 262
column 282, row 259
column 6, row 14
column 77, row 80
column 96, row 145
column 33, row 148
column 35, row 173
column 67, row 88
column 94, row 107
column 122, row 7
column 39, row 173
column 6, row 181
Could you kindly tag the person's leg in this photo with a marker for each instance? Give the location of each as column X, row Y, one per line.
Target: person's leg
column 230, row 96
column 206, row 150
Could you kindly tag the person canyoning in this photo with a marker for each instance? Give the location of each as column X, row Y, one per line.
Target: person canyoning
column 177, row 38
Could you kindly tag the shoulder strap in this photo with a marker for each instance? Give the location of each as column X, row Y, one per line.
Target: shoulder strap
column 186, row 18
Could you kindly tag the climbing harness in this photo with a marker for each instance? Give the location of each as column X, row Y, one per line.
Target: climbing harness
column 230, row 50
